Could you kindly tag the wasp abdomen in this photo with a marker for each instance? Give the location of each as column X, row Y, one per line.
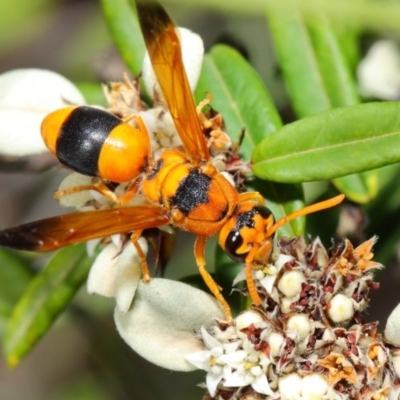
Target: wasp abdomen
column 96, row 143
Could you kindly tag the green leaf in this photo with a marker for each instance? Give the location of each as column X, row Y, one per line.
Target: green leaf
column 331, row 144
column 125, row 31
column 297, row 60
column 240, row 95
column 15, row 274
column 359, row 188
column 335, row 70
column 44, row 299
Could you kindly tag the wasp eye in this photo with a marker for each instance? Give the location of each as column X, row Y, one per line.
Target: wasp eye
column 233, row 241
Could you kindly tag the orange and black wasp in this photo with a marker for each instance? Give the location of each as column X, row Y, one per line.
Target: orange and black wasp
column 182, row 187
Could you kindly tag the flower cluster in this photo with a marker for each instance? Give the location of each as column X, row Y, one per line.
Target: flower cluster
column 307, row 339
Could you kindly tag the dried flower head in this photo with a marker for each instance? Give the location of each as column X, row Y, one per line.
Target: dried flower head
column 306, row 340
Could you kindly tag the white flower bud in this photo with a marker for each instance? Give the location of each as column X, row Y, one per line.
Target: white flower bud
column 290, row 387
column 286, row 302
column 300, row 323
column 392, row 330
column 314, row 387
column 275, row 341
column 245, row 319
column 341, row 308
column 290, row 283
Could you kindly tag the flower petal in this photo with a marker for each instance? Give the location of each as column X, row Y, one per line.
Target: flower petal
column 261, row 385
column 160, row 325
column 26, row 97
column 212, row 381
column 102, row 274
column 128, row 272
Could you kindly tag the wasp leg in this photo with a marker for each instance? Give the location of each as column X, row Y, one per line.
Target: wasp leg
column 101, row 188
column 253, row 196
column 145, row 268
column 199, row 248
column 249, row 275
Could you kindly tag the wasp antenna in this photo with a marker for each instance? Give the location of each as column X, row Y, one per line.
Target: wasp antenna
column 322, row 205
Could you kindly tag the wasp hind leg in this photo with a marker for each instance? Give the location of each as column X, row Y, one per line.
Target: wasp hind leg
column 145, row 268
column 199, row 249
column 103, row 189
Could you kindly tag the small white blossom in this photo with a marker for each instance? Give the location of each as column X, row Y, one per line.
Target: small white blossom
column 234, row 364
column 251, row 371
column 216, row 360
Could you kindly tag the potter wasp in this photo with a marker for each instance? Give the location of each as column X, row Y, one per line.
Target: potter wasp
column 181, row 186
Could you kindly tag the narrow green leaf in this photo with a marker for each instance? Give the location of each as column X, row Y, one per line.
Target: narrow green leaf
column 341, row 88
column 359, row 188
column 15, row 275
column 125, row 31
column 331, row 144
column 44, row 299
column 297, row 60
column 240, row 95
column 335, row 71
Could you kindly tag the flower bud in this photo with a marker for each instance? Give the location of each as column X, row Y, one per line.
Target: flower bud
column 290, row 283
column 290, row 387
column 314, row 387
column 300, row 323
column 341, row 308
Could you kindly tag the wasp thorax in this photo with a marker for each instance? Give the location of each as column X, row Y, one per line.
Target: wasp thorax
column 246, row 228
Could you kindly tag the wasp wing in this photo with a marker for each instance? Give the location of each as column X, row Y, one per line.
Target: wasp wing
column 164, row 50
column 53, row 233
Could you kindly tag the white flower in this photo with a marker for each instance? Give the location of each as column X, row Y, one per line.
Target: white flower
column 26, row 97
column 218, row 360
column 379, row 72
column 233, row 364
column 251, row 371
